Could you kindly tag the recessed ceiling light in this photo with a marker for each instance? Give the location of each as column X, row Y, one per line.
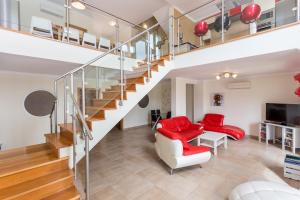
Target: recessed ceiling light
column 145, row 26
column 226, row 75
column 112, row 23
column 78, row 4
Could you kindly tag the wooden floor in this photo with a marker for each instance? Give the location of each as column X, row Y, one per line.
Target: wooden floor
column 124, row 166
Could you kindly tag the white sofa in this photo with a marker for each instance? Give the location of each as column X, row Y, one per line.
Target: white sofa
column 264, row 190
column 171, row 152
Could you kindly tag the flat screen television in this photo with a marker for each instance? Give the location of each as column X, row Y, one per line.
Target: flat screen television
column 286, row 114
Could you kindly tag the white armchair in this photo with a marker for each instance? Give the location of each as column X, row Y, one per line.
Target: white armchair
column 172, row 153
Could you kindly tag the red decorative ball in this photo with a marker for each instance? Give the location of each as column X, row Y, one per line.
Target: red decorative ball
column 201, row 28
column 250, row 13
column 297, row 77
column 297, row 92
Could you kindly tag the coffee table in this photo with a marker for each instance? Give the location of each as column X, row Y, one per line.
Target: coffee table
column 213, row 140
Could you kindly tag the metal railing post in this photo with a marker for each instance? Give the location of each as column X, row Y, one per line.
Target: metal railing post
column 56, row 105
column 97, row 83
column 148, row 57
column 87, row 167
column 121, row 77
column 298, row 10
column 117, row 27
column 65, row 100
column 74, row 128
column 173, row 38
column 222, row 20
column 67, row 6
column 83, row 92
column 178, row 36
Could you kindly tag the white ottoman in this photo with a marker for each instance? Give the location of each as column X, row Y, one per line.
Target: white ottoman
column 264, row 190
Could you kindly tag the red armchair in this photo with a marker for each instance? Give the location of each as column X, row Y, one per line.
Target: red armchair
column 214, row 122
column 182, row 126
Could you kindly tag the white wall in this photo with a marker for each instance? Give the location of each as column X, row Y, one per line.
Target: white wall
column 160, row 98
column 18, row 127
column 178, row 90
column 246, row 107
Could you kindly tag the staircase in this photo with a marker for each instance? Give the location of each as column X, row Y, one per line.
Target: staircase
column 35, row 172
column 43, row 171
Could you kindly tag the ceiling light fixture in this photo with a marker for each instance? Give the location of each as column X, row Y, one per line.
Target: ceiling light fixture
column 78, row 4
column 145, row 26
column 112, row 23
column 226, row 75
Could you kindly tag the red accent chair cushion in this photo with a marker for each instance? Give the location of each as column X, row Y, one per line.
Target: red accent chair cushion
column 195, row 150
column 214, row 122
column 183, row 126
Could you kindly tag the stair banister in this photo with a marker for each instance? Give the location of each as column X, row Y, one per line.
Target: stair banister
column 121, row 76
column 79, row 111
column 87, row 136
column 148, row 56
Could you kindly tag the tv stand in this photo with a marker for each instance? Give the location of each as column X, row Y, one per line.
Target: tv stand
column 290, row 135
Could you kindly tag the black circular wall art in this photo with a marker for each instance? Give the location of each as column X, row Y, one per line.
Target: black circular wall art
column 144, row 102
column 39, row 103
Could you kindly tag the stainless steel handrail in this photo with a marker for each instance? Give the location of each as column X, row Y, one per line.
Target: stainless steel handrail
column 81, row 117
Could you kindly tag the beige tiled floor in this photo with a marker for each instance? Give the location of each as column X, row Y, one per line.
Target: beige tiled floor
column 124, row 166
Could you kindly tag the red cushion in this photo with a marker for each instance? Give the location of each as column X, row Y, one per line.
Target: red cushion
column 195, row 150
column 183, row 123
column 174, row 136
column 169, row 124
column 190, row 134
column 213, row 119
column 233, row 131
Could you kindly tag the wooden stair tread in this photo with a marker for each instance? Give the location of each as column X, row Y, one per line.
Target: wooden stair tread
column 32, row 185
column 26, row 165
column 18, row 158
column 34, row 172
column 58, row 141
column 68, row 194
column 95, row 109
column 67, row 127
column 23, row 150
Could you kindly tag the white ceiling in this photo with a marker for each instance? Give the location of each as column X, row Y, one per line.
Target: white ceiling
column 282, row 62
column 135, row 11
column 183, row 6
column 25, row 64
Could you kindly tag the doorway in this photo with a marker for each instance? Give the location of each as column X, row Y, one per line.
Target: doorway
column 190, row 101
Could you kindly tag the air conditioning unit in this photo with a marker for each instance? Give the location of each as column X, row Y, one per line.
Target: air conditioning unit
column 239, row 85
